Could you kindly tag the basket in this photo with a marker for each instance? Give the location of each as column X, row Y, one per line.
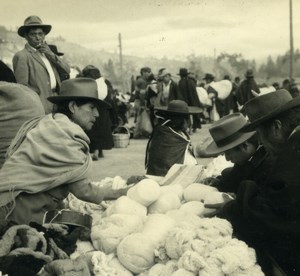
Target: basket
column 121, row 136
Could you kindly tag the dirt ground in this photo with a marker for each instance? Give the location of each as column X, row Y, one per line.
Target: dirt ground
column 129, row 161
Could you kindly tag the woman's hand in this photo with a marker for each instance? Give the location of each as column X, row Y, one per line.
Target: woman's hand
column 111, row 194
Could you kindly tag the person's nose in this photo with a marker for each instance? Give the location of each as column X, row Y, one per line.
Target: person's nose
column 227, row 156
column 96, row 113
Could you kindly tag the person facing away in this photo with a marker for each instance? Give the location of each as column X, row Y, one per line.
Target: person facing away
column 249, row 158
column 266, row 214
column 169, row 143
column 187, row 89
column 49, row 157
column 36, row 66
column 101, row 132
column 244, row 92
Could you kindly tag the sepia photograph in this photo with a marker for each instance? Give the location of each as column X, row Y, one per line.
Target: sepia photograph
column 150, row 138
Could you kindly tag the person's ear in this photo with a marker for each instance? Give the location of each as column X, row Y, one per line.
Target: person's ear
column 277, row 128
column 72, row 105
column 244, row 146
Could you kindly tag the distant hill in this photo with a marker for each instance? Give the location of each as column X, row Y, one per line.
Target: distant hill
column 233, row 64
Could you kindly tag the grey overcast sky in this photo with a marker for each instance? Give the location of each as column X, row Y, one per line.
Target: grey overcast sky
column 172, row 28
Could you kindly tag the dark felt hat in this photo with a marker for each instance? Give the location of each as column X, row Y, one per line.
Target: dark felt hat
column 226, row 133
column 54, row 49
column 91, row 71
column 179, row 107
column 33, row 21
column 265, row 107
column 249, row 74
column 78, row 89
column 208, row 77
column 183, row 72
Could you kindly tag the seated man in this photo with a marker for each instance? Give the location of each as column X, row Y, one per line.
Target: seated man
column 169, row 143
column 242, row 149
column 266, row 213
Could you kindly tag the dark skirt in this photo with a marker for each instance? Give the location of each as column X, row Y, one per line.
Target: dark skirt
column 101, row 133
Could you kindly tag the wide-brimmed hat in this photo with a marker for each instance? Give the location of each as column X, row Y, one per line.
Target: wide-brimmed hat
column 164, row 73
column 91, row 69
column 78, row 89
column 33, row 21
column 183, row 72
column 262, row 108
column 249, row 73
column 179, row 107
column 226, row 133
column 208, row 77
column 54, row 49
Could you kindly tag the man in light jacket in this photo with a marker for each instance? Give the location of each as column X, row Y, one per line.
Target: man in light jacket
column 36, row 66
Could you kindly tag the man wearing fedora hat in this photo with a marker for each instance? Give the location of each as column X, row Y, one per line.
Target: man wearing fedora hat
column 169, row 143
column 242, row 149
column 244, row 91
column 188, row 92
column 36, row 66
column 49, row 157
column 167, row 89
column 267, row 214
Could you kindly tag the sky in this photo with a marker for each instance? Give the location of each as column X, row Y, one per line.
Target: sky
column 166, row 28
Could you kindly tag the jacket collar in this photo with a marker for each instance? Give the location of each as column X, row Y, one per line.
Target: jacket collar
column 35, row 54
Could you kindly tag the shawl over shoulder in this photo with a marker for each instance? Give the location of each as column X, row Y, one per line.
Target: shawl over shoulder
column 47, row 152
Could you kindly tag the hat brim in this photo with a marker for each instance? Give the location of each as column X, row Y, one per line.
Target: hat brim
column 59, row 99
column 22, row 29
column 213, row 148
column 253, row 125
column 191, row 110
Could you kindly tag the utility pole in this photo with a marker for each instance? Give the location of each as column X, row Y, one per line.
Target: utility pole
column 291, row 41
column 215, row 62
column 121, row 64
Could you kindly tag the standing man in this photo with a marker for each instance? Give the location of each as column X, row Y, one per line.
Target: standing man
column 36, row 66
column 167, row 89
column 187, row 88
column 243, row 93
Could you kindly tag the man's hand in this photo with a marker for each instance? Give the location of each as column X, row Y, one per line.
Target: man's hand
column 211, row 181
column 226, row 197
column 44, row 49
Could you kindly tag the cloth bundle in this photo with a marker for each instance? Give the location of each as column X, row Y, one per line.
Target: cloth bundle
column 40, row 166
column 18, row 103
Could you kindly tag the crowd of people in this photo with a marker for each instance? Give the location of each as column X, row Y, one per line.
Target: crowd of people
column 62, row 123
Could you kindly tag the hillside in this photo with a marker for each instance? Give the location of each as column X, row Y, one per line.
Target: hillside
column 109, row 63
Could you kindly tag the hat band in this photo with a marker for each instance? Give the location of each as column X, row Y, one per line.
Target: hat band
column 228, row 139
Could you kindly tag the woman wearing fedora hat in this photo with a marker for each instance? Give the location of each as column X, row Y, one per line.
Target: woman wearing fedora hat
column 170, row 143
column 49, row 157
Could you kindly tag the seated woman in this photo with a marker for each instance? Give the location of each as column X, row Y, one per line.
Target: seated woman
column 169, row 143
column 242, row 149
column 49, row 157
